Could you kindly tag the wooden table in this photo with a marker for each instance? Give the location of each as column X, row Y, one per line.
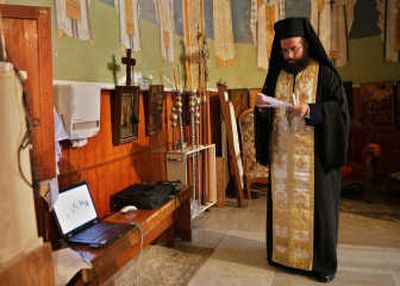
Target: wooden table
column 173, row 218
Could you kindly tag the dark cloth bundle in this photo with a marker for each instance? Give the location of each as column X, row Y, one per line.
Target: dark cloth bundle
column 145, row 196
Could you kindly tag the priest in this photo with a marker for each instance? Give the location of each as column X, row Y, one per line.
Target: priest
column 305, row 142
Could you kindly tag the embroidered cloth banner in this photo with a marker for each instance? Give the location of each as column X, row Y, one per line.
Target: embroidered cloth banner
column 165, row 19
column 72, row 19
column 129, row 13
column 223, row 34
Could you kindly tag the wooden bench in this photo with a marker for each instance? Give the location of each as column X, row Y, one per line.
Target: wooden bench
column 30, row 268
column 173, row 218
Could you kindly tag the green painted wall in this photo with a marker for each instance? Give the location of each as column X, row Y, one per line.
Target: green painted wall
column 76, row 60
column 367, row 63
column 79, row 61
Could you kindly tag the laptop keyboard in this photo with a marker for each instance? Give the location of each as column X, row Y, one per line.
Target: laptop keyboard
column 102, row 231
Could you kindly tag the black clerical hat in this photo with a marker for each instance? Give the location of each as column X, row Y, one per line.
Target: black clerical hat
column 289, row 27
column 293, row 27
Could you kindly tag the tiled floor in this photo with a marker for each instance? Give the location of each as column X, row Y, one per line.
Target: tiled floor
column 368, row 254
column 228, row 248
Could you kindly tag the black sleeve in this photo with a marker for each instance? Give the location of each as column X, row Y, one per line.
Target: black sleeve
column 263, row 120
column 332, row 133
column 315, row 115
column 262, row 123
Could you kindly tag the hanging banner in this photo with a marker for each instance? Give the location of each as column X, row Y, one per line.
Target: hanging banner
column 129, row 12
column 72, row 19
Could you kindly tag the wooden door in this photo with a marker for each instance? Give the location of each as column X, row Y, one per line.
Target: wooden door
column 27, row 32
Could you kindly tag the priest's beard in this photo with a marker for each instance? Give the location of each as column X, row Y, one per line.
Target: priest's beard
column 296, row 66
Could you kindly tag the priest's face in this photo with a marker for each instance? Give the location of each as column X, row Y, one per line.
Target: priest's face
column 294, row 54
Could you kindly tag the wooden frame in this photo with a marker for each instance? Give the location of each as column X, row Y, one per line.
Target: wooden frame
column 240, row 100
column 27, row 31
column 125, row 114
column 228, row 115
column 155, row 109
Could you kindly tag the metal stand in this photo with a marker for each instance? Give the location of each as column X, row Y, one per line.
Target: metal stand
column 180, row 166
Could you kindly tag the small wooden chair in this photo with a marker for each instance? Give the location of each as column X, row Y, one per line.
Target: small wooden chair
column 254, row 172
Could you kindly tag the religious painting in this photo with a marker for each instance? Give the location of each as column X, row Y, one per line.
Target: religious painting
column 125, row 114
column 239, row 99
column 377, row 103
column 155, row 108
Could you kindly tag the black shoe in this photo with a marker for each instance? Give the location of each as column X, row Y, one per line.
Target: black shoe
column 325, row 277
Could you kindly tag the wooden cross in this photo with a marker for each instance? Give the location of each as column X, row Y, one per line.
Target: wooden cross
column 114, row 67
column 129, row 62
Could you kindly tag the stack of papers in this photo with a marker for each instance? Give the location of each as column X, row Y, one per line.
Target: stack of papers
column 272, row 102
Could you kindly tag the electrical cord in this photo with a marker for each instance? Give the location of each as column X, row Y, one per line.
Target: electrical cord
column 139, row 256
column 26, row 138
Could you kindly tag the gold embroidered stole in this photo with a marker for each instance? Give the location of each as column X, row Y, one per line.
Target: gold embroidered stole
column 292, row 174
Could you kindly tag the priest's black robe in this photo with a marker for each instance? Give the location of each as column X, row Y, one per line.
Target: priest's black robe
column 330, row 118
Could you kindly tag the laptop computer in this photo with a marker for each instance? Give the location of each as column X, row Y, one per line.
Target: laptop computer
column 78, row 220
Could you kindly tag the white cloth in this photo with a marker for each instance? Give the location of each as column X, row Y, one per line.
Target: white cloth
column 66, row 264
column 59, row 134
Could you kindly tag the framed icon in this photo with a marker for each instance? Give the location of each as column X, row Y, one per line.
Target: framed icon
column 125, row 114
column 155, row 109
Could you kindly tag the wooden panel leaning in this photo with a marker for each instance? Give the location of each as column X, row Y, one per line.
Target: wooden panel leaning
column 228, row 115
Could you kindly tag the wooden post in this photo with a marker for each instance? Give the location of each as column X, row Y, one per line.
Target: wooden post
column 221, row 184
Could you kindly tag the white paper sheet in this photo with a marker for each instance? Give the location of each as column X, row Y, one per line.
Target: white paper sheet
column 66, row 264
column 273, row 102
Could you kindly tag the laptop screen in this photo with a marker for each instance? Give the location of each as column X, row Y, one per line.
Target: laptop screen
column 74, row 207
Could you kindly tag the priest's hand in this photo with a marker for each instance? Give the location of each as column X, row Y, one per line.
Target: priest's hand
column 299, row 110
